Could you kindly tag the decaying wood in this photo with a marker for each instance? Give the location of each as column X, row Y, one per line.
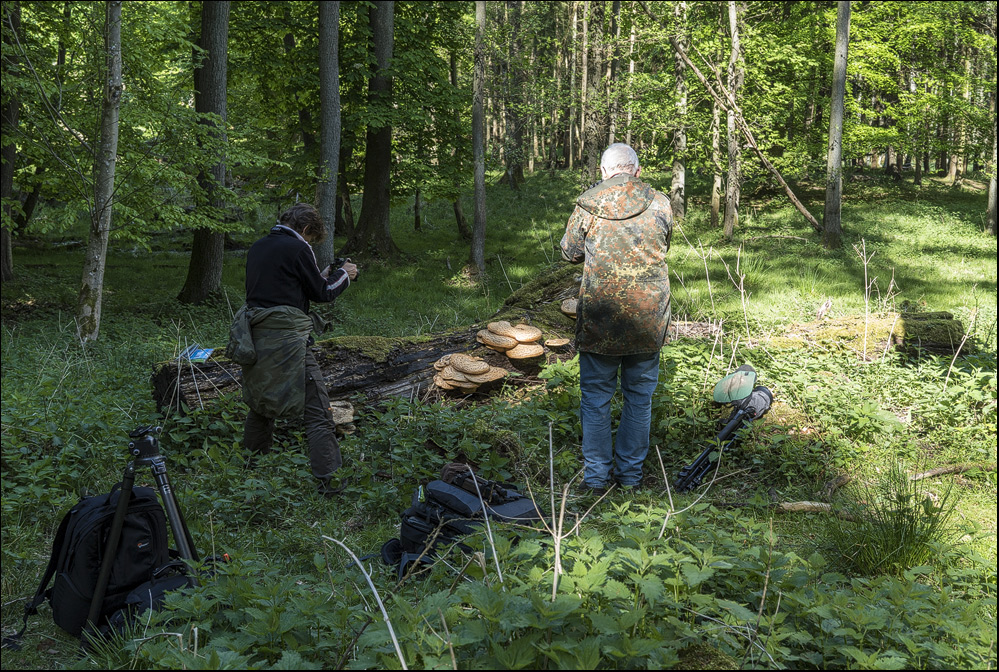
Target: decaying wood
column 951, row 469
column 379, row 368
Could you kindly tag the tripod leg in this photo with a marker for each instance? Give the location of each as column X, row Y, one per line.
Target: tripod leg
column 181, row 535
column 110, row 549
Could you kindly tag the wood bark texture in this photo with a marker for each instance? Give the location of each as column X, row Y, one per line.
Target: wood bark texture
column 329, row 133
column 88, row 311
column 204, row 273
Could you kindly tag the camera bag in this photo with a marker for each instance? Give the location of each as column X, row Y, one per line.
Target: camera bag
column 444, row 511
column 78, row 550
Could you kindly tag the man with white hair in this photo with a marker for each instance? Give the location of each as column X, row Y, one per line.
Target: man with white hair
column 620, row 231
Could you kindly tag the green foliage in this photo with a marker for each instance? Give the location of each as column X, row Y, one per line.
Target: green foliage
column 627, row 597
column 634, row 600
column 894, row 525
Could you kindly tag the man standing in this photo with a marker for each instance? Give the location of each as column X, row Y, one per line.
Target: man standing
column 281, row 378
column 620, row 231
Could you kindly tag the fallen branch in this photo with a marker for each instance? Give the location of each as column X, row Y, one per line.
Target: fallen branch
column 951, row 469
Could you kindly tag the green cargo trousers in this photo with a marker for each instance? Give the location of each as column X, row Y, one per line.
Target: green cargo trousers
column 324, row 450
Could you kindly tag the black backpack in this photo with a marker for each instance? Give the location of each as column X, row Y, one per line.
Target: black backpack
column 78, row 550
column 444, row 511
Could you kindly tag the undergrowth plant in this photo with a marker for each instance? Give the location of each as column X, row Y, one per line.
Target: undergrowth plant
column 714, row 577
column 894, row 524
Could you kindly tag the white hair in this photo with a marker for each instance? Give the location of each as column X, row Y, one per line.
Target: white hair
column 619, row 157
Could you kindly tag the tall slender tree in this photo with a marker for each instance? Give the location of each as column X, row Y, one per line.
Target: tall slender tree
column 834, row 165
column 677, row 191
column 373, row 222
column 88, row 305
column 329, row 134
column 204, row 273
column 477, row 257
column 736, row 73
column 8, row 122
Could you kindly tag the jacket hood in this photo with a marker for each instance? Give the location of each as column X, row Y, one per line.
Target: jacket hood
column 619, row 197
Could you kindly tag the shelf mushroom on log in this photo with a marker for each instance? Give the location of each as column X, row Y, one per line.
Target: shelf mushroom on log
column 378, row 368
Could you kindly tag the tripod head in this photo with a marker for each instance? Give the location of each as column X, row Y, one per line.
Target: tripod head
column 144, row 446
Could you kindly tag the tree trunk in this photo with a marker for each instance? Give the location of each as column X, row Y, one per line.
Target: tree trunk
column 373, row 222
column 459, row 214
column 834, row 163
column 716, row 180
column 88, row 308
column 10, row 115
column 992, row 174
column 612, row 70
column 584, row 73
column 570, row 154
column 631, row 76
column 678, row 185
column 204, row 274
column 329, row 133
column 735, row 77
column 593, row 138
column 476, row 256
column 729, row 102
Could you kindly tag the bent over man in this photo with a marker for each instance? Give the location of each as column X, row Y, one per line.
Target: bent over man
column 281, row 378
column 620, row 231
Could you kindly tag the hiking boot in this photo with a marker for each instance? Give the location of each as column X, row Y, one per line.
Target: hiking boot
column 327, row 490
column 588, row 490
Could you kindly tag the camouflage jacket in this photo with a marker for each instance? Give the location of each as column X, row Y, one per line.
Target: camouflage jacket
column 274, row 385
column 620, row 231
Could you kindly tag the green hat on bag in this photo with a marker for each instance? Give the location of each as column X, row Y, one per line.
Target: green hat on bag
column 736, row 386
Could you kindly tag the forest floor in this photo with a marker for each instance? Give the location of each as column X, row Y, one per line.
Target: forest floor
column 716, row 578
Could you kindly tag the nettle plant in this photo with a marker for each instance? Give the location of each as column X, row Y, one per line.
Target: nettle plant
column 629, row 597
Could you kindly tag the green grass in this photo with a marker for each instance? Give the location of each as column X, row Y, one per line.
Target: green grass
column 66, row 410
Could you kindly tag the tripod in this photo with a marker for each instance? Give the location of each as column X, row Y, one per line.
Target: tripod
column 751, row 408
column 144, row 449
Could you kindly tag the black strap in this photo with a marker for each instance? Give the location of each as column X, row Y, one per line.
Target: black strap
column 14, row 641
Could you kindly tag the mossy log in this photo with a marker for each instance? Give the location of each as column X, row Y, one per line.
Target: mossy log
column 934, row 332
column 378, row 367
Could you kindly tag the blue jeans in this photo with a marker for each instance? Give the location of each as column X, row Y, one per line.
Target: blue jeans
column 598, row 382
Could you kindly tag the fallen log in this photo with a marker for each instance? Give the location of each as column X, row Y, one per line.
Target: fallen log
column 952, row 469
column 379, row 368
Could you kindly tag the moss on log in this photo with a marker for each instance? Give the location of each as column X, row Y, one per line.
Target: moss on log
column 936, row 332
column 378, row 367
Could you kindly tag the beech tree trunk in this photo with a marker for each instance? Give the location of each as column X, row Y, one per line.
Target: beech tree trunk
column 716, row 179
column 992, row 178
column 735, row 77
column 329, row 133
column 88, row 306
column 204, row 273
column 477, row 253
column 593, row 137
column 678, row 185
column 459, row 214
column 834, row 162
column 8, row 122
column 373, row 222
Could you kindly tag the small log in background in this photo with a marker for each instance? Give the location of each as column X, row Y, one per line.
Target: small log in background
column 378, row 367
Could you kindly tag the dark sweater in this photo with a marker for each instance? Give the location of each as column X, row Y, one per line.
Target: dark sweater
column 281, row 271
